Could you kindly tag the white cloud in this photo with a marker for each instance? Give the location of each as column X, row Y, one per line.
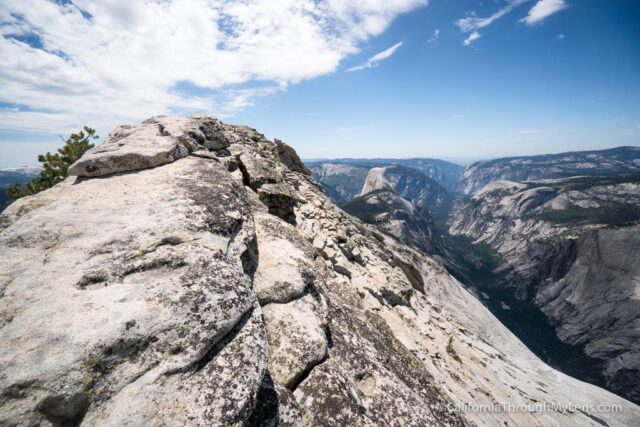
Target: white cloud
column 560, row 37
column 543, row 9
column 472, row 37
column 436, row 35
column 375, row 59
column 106, row 62
column 474, row 23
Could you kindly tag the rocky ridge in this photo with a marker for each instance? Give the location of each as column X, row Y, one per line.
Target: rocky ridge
column 194, row 273
column 570, row 246
column 615, row 161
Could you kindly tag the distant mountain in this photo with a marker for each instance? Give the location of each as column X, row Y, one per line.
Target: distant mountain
column 568, row 251
column 397, row 217
column 400, row 200
column 621, row 160
column 344, row 179
column 410, row 184
column 441, row 171
column 12, row 176
column 341, row 181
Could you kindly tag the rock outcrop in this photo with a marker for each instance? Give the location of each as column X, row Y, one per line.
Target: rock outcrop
column 194, row 273
column 615, row 161
column 571, row 247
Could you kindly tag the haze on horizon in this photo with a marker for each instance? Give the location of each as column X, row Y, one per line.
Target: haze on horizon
column 460, row 80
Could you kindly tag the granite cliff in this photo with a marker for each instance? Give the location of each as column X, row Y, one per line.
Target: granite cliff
column 570, row 246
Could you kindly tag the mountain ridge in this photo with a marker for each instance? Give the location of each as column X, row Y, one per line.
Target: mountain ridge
column 443, row 172
column 11, row 176
column 613, row 161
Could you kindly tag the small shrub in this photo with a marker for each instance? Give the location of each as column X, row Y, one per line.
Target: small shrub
column 452, row 351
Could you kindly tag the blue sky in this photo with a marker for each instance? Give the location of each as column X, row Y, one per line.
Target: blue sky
column 387, row 79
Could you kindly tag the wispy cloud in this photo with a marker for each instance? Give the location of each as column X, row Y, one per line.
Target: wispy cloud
column 436, row 35
column 375, row 59
column 560, row 37
column 105, row 62
column 544, row 9
column 472, row 37
column 474, row 23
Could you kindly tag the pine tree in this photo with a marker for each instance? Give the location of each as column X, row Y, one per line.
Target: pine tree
column 55, row 167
